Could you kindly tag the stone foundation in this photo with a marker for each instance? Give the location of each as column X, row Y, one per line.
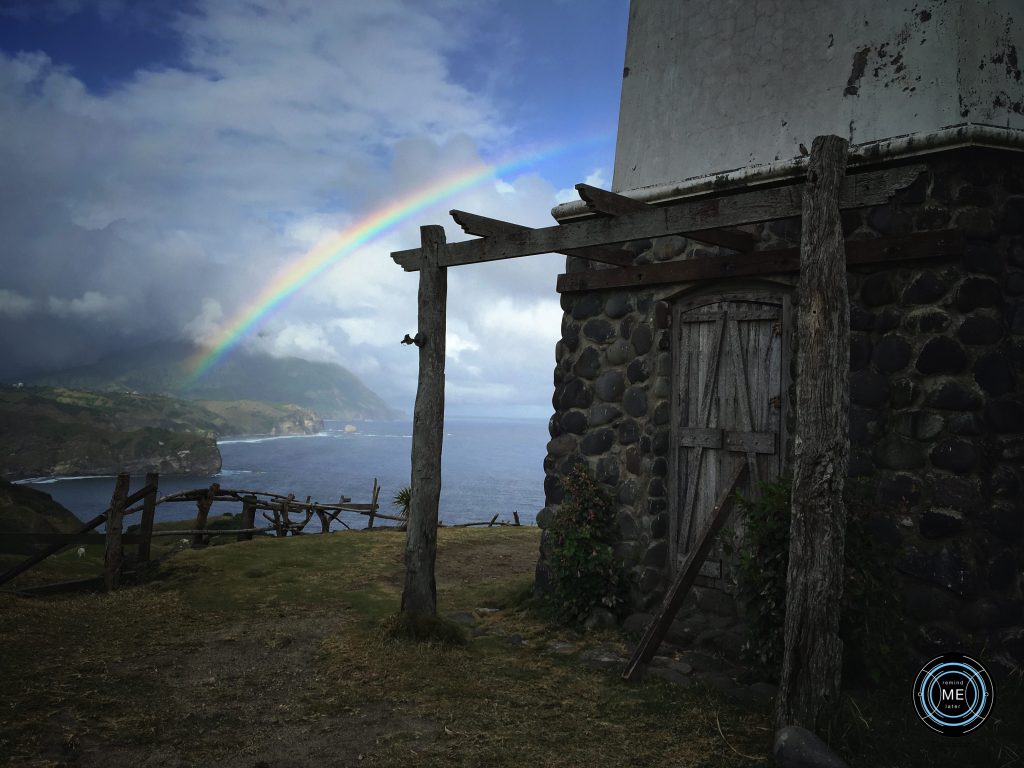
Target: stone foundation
column 936, row 415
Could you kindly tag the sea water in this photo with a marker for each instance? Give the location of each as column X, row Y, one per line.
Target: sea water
column 489, row 467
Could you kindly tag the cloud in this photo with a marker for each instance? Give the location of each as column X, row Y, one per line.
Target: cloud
column 205, row 327
column 91, row 304
column 169, row 203
column 597, row 178
column 14, row 304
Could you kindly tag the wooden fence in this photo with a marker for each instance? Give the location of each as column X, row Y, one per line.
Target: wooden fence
column 284, row 513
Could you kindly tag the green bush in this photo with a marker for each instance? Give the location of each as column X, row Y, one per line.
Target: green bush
column 586, row 573
column 872, row 626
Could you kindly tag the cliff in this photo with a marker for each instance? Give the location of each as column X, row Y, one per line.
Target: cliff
column 51, row 431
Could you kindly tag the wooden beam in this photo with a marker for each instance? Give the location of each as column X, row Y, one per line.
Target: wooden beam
column 725, row 237
column 419, row 596
column 871, row 188
column 809, row 685
column 482, row 226
column 613, row 204
column 685, row 578
column 921, row 245
column 609, row 203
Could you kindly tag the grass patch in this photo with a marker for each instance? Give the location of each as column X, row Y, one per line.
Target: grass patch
column 425, row 629
column 275, row 651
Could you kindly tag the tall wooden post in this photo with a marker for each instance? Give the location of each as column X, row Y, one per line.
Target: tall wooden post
column 420, row 594
column 248, row 517
column 114, row 555
column 148, row 514
column 203, row 504
column 812, row 660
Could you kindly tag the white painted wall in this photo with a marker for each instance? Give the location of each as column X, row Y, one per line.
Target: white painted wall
column 711, row 86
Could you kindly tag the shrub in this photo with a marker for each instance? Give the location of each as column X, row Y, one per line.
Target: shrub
column 585, row 571
column 871, row 617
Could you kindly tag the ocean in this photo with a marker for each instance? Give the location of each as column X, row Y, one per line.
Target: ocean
column 489, row 467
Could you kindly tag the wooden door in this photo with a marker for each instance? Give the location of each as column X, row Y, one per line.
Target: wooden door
column 730, row 355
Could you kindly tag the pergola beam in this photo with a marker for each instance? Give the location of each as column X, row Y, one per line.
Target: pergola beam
column 602, row 201
column 482, row 226
column 871, row 188
column 922, row 245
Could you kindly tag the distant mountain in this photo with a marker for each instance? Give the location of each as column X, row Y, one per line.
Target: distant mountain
column 163, row 368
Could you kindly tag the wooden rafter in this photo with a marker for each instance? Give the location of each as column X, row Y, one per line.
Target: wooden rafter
column 612, row 204
column 922, row 245
column 482, row 226
column 870, row 188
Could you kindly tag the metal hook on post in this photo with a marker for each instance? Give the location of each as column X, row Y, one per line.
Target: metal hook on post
column 419, row 339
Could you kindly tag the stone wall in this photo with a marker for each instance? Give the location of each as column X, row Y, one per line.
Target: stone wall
column 937, row 406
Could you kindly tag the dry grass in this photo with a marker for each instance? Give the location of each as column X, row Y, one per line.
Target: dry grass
column 276, row 653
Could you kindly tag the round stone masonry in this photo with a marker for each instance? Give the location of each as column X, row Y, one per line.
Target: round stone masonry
column 941, row 354
column 937, row 404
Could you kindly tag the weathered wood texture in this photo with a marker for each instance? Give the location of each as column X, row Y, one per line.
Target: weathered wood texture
column 473, row 224
column 203, row 504
column 812, row 661
column 373, row 504
column 684, row 579
column 148, row 514
column 248, row 517
column 419, row 597
column 921, row 245
column 871, row 188
column 612, row 204
column 728, row 403
column 113, row 557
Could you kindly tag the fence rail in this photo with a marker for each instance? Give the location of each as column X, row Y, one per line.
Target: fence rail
column 145, row 500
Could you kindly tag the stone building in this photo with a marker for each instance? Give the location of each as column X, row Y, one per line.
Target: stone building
column 660, row 388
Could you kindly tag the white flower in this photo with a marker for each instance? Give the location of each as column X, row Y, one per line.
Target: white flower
column 81, row 551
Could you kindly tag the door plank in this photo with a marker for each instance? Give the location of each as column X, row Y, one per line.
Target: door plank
column 702, row 421
column 684, row 580
column 694, row 437
column 750, row 442
column 739, row 369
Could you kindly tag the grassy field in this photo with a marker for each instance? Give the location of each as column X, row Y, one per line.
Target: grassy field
column 273, row 653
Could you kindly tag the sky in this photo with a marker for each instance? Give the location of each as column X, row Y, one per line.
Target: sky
column 165, row 164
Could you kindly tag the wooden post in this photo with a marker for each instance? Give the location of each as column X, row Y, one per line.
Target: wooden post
column 148, row 514
column 812, row 659
column 203, row 504
column 114, row 555
column 373, row 503
column 248, row 517
column 419, row 598
column 286, row 522
column 56, row 547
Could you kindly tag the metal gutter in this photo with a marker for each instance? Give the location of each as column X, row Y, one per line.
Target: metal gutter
column 861, row 155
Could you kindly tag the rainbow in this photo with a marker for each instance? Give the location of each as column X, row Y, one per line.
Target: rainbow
column 294, row 276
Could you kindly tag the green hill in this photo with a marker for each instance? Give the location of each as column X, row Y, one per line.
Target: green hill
column 330, row 390
column 52, row 431
column 26, row 510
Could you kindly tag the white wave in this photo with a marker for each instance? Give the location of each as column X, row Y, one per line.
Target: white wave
column 47, row 480
column 233, row 472
column 268, row 438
